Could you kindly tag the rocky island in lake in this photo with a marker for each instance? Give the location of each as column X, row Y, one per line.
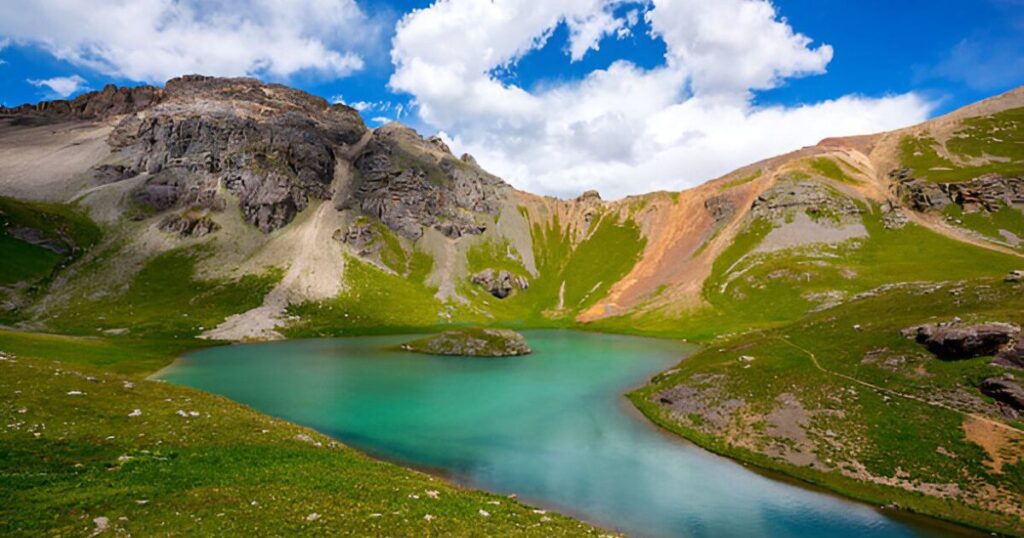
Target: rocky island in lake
column 472, row 343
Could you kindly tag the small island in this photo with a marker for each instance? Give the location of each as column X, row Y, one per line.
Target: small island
column 472, row 342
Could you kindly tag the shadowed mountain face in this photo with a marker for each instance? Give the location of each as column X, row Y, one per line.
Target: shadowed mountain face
column 230, row 209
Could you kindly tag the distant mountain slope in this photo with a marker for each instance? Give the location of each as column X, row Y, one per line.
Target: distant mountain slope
column 228, row 209
column 265, row 179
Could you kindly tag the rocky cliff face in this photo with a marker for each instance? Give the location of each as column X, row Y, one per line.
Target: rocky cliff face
column 410, row 183
column 986, row 193
column 111, row 101
column 273, row 148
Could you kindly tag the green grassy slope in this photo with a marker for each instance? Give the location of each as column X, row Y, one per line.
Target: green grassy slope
column 983, row 145
column 586, row 270
column 879, row 405
column 748, row 290
column 164, row 301
column 26, row 268
column 67, row 459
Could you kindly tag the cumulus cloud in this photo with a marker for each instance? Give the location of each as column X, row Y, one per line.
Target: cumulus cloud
column 154, row 40
column 623, row 129
column 61, row 86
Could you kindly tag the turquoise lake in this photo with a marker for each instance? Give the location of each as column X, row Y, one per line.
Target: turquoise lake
column 552, row 427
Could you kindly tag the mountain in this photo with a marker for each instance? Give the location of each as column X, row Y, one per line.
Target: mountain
column 227, row 210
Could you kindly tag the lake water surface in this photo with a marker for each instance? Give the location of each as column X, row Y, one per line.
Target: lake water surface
column 552, row 427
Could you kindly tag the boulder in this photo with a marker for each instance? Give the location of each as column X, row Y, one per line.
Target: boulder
column 500, row 283
column 721, row 207
column 1015, row 277
column 1007, row 392
column 892, row 217
column 438, row 143
column 472, row 343
column 361, row 236
column 188, row 226
column 1011, row 356
column 954, row 341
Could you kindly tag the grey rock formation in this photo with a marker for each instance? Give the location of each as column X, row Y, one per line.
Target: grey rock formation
column 403, row 183
column 1007, row 392
column 108, row 102
column 188, row 225
column 721, row 207
column 810, row 196
column 472, row 343
column 589, row 196
column 892, row 217
column 953, row 341
column 438, row 143
column 918, row 194
column 361, row 236
column 501, row 283
column 1015, row 277
column 272, row 147
column 62, row 245
column 1011, row 356
column 986, row 193
column 203, row 142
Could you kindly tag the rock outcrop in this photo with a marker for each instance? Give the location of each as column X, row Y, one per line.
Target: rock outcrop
column 108, row 102
column 500, row 283
column 272, row 147
column 1011, row 356
column 362, row 236
column 62, row 245
column 472, row 343
column 989, row 193
column 202, row 142
column 1007, row 392
column 721, row 207
column 410, row 183
column 954, row 341
column 810, row 196
column 188, row 225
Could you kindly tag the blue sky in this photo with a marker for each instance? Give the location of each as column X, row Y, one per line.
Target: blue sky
column 889, row 63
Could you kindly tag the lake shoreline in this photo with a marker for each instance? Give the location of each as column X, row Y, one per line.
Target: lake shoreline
column 642, row 417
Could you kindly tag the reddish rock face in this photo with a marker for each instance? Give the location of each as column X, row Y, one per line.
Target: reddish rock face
column 954, row 341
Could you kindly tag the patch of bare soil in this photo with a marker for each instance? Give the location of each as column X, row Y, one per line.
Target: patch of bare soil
column 316, row 270
column 1003, row 446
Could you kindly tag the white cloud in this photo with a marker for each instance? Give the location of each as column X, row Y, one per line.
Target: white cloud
column 622, row 129
column 61, row 86
column 586, row 32
column 372, row 106
column 154, row 40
